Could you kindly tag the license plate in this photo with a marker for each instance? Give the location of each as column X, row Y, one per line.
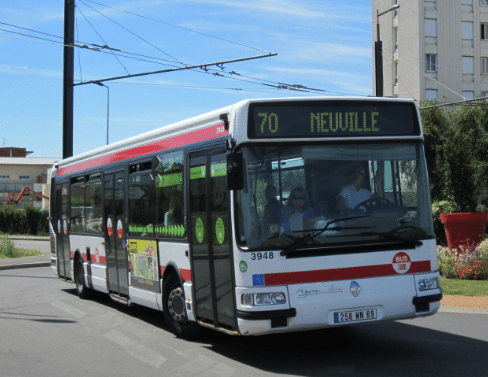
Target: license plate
column 356, row 315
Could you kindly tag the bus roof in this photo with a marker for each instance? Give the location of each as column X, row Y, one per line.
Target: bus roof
column 199, row 128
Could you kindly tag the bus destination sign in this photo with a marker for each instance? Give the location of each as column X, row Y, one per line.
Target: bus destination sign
column 332, row 119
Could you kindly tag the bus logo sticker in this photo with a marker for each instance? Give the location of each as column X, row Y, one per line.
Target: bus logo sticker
column 59, row 226
column 120, row 229
column 401, row 263
column 220, row 230
column 110, row 229
column 242, row 266
column 199, row 230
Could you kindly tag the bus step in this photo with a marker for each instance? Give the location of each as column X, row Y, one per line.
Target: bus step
column 120, row 299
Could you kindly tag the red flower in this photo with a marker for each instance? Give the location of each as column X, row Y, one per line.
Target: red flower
column 475, row 271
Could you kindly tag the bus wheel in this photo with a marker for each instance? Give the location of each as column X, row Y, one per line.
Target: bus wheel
column 174, row 310
column 81, row 288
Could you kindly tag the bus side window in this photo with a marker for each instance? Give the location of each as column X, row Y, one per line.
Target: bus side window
column 170, row 203
column 141, row 200
column 77, row 202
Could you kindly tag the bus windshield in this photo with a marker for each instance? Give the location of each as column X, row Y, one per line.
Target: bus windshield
column 333, row 196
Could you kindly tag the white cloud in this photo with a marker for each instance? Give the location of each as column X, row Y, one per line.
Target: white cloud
column 25, row 70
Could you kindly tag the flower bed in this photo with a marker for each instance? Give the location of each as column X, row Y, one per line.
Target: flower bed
column 470, row 263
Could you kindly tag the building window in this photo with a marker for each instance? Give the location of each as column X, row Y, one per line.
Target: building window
column 24, row 177
column 468, row 94
column 431, row 63
column 468, row 65
column 430, row 94
column 484, row 31
column 467, row 30
column 484, row 66
column 431, row 27
column 468, row 2
column 483, row 2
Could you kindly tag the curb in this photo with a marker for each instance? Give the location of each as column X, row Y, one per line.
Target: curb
column 461, row 310
column 24, row 265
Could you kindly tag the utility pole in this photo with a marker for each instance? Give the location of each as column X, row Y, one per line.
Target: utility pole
column 68, row 74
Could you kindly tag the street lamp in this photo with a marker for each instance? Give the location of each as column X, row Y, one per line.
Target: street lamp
column 378, row 53
column 108, row 102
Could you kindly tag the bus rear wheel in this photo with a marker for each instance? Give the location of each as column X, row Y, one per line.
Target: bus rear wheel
column 174, row 310
column 81, row 288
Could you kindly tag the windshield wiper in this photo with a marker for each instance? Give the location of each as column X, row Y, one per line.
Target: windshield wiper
column 316, row 232
column 392, row 237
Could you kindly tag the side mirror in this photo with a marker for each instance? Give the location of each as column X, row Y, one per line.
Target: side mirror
column 430, row 152
column 235, row 171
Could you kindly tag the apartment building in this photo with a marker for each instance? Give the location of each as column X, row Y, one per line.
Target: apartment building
column 433, row 49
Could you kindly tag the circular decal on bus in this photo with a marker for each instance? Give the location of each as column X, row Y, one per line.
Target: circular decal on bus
column 120, row 229
column 242, row 266
column 220, row 230
column 199, row 230
column 401, row 263
column 110, row 229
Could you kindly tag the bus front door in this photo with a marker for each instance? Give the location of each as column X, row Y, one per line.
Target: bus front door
column 118, row 280
column 210, row 245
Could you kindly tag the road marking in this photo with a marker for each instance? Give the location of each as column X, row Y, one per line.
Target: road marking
column 143, row 353
column 61, row 305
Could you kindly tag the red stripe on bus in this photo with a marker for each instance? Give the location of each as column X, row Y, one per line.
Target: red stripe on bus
column 158, row 146
column 185, row 274
column 301, row 277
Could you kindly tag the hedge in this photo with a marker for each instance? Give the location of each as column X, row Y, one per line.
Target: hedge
column 29, row 220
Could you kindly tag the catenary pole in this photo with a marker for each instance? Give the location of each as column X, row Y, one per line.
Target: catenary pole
column 68, row 73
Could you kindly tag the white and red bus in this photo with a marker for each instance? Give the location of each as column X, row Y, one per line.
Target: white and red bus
column 268, row 216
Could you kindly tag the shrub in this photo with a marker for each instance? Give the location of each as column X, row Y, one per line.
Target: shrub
column 30, row 220
column 462, row 264
column 7, row 249
column 475, row 271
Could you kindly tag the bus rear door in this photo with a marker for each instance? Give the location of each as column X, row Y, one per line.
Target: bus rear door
column 118, row 280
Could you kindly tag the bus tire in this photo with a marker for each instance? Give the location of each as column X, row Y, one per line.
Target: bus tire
column 174, row 309
column 81, row 289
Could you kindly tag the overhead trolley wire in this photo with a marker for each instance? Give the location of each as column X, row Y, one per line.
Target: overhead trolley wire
column 95, row 30
column 134, row 34
column 179, row 27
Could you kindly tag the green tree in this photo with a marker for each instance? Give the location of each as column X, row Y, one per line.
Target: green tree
column 462, row 158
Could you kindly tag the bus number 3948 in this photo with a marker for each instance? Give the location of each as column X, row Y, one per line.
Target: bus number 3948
column 260, row 256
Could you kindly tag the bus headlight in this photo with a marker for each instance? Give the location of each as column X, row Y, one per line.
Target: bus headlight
column 260, row 299
column 429, row 283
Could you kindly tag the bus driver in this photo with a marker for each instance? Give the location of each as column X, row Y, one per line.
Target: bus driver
column 353, row 194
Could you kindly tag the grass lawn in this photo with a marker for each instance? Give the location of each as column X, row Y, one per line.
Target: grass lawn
column 19, row 253
column 7, row 250
column 464, row 287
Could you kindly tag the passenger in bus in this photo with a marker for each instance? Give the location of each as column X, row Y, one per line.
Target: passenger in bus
column 272, row 211
column 354, row 194
column 174, row 216
column 297, row 212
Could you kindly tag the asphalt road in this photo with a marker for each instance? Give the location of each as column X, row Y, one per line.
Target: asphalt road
column 47, row 330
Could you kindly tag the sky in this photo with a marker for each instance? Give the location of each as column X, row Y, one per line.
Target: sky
column 323, row 45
